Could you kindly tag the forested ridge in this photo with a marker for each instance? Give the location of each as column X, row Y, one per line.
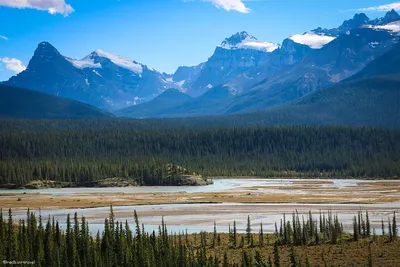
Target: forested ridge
column 141, row 153
column 23, row 103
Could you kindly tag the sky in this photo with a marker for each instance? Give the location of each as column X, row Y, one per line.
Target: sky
column 162, row 34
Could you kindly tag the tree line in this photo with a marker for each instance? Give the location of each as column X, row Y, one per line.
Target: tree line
column 298, row 151
column 47, row 244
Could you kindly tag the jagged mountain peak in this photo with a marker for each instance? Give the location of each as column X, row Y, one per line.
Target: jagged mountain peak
column 237, row 38
column 391, row 16
column 358, row 20
column 45, row 48
column 360, row 17
column 94, row 60
column 243, row 40
column 45, row 44
column 121, row 61
column 101, row 78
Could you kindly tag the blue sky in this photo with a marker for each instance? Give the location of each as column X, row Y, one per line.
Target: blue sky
column 162, row 34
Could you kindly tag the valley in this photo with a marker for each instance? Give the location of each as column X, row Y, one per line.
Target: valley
column 270, row 152
column 192, row 208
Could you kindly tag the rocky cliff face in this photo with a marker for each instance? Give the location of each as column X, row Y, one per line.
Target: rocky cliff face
column 241, row 59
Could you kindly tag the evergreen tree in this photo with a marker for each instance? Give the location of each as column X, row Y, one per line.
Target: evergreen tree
column 248, row 230
column 394, row 226
column 369, row 256
column 293, row 260
column 368, row 225
column 355, row 229
column 383, row 228
column 261, row 236
column 276, row 256
column 11, row 248
column 234, row 234
column 225, row 261
column 259, row 262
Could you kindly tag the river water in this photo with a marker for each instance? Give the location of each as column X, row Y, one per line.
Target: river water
column 200, row 217
column 219, row 185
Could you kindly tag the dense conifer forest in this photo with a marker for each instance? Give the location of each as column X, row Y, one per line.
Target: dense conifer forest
column 44, row 242
column 62, row 151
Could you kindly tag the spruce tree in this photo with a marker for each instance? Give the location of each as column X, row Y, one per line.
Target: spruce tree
column 383, row 228
column 394, row 226
column 261, row 236
column 248, row 230
column 369, row 256
column 355, row 229
column 234, row 234
column 276, row 256
column 293, row 260
column 368, row 224
column 258, row 260
column 215, row 234
column 11, row 247
column 225, row 261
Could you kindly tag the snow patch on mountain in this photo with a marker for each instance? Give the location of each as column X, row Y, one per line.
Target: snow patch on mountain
column 120, row 61
column 374, row 44
column 97, row 73
column 137, row 100
column 244, row 41
column 86, row 62
column 311, row 39
column 247, row 77
column 181, row 83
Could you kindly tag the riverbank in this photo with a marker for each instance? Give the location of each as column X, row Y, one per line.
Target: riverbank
column 183, row 180
column 222, row 191
column 302, row 176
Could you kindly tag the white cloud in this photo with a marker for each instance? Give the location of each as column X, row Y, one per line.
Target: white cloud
column 3, row 37
column 13, row 64
column 393, row 27
column 382, row 8
column 228, row 5
column 52, row 6
column 312, row 40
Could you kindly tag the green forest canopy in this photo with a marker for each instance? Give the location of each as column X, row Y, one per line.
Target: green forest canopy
column 64, row 152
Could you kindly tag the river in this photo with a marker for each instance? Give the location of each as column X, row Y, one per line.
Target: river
column 201, row 216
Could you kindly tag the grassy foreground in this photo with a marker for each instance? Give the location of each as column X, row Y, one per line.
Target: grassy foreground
column 346, row 253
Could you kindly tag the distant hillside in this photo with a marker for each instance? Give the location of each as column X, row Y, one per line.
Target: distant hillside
column 174, row 104
column 372, row 101
column 22, row 103
column 208, row 104
column 370, row 97
column 168, row 99
column 388, row 63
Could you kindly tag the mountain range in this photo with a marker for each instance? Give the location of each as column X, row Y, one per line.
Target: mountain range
column 244, row 74
column 101, row 79
column 369, row 98
column 299, row 71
